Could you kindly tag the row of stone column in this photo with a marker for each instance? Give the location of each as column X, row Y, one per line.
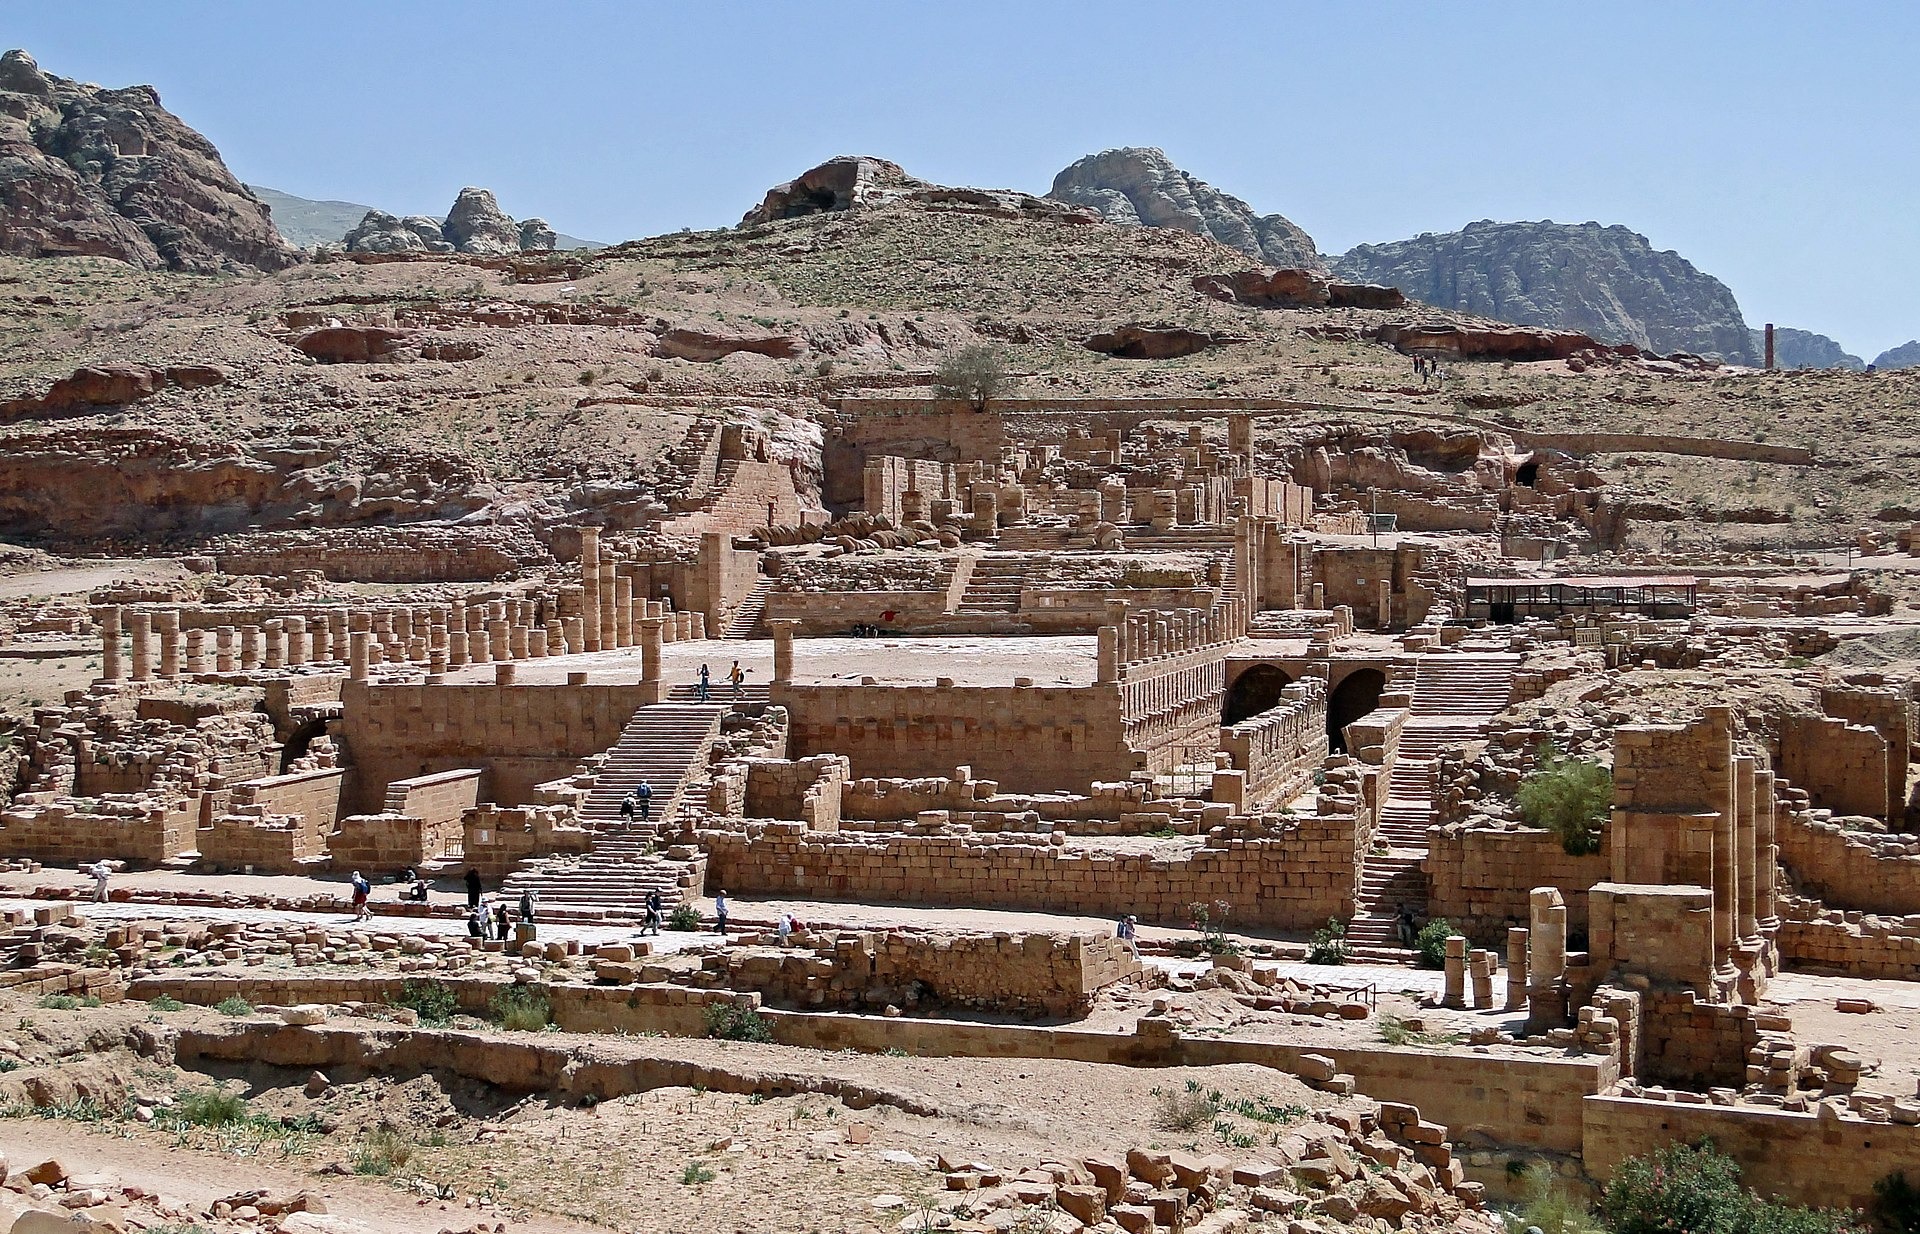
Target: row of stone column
column 1132, row 639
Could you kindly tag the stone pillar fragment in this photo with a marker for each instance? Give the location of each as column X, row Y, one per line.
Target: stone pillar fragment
column 111, row 630
column 783, row 649
column 1516, row 968
column 141, row 632
column 223, row 641
column 196, row 652
column 362, row 654
column 1455, row 991
column 168, row 624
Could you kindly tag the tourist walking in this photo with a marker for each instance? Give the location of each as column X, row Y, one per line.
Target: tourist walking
column 720, row 912
column 526, row 907
column 1403, row 925
column 652, row 925
column 784, row 928
column 473, row 887
column 361, row 890
column 502, row 918
column 738, row 676
column 101, row 872
column 627, row 805
column 1127, row 928
column 643, row 792
column 704, row 687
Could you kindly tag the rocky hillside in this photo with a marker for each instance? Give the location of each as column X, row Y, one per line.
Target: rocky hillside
column 1804, row 349
column 111, row 173
column 476, row 225
column 1608, row 282
column 1906, row 355
column 1141, row 185
column 306, row 223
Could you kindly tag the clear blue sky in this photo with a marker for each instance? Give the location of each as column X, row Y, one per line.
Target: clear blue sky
column 1772, row 144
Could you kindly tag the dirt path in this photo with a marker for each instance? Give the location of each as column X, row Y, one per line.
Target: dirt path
column 184, row 1176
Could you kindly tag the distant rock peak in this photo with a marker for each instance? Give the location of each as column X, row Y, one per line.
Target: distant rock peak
column 1141, row 185
column 476, row 224
column 856, row 182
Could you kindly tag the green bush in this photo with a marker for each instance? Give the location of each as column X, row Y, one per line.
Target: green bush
column 1430, row 944
column 1568, row 796
column 66, row 1002
column 977, row 373
column 1548, row 1205
column 684, row 917
column 521, row 1008
column 385, row 1152
column 1329, row 946
column 433, row 1001
column 165, row 1002
column 1697, row 1190
column 732, row 1022
column 233, row 1004
column 210, row 1107
column 1896, row 1204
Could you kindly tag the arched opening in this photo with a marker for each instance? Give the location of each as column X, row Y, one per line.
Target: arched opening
column 1357, row 694
column 1253, row 692
column 299, row 741
column 1528, row 473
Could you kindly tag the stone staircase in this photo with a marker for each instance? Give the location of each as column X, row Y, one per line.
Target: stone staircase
column 746, row 618
column 721, row 692
column 1453, row 697
column 661, row 744
column 996, row 584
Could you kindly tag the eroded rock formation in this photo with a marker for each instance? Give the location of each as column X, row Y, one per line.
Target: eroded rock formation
column 113, row 385
column 1140, row 342
column 1142, row 186
column 111, row 173
column 1607, row 282
column 852, row 182
column 692, row 343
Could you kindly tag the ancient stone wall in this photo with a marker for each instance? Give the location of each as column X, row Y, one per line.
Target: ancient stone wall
column 807, row 789
column 498, row 838
column 68, row 832
column 382, row 554
column 1854, row 870
column 1283, row 873
column 1805, row 1158
column 1841, row 766
column 275, row 824
column 522, row 736
column 1277, row 751
column 440, row 799
column 1480, row 878
column 374, row 843
column 1888, row 713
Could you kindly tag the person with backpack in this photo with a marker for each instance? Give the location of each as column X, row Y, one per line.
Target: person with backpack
column 652, row 925
column 738, row 676
column 627, row 805
column 361, row 890
column 643, row 793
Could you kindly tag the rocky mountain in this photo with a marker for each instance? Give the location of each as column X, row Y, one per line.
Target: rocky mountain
column 1906, row 355
column 1804, row 349
column 1141, row 185
column 1608, row 282
column 307, row 223
column 112, row 173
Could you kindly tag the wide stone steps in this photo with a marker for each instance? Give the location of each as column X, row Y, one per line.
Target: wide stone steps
column 746, row 619
column 1453, row 696
column 721, row 692
column 996, row 584
column 658, row 745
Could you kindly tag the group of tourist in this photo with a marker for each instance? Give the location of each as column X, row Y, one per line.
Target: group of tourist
column 1430, row 371
column 703, row 681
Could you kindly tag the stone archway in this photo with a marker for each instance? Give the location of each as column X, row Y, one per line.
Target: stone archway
column 1253, row 692
column 1357, row 694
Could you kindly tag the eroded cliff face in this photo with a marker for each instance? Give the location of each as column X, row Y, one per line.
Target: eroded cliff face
column 1608, row 282
column 111, row 173
column 1142, row 186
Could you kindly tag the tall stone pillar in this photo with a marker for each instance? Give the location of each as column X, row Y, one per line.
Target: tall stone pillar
column 1107, row 669
column 1745, row 857
column 590, row 585
column 109, row 617
column 609, row 594
column 223, row 640
column 1766, row 817
column 650, row 643
column 1546, row 960
column 362, row 641
column 296, row 628
column 783, row 649
column 142, row 634
column 276, row 642
column 168, row 623
column 196, row 652
column 623, row 610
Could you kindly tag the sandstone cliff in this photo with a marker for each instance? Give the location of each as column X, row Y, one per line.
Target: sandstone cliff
column 1608, row 282
column 1804, row 349
column 1142, row 186
column 111, row 173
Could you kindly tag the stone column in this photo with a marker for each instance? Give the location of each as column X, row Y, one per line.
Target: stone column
column 623, row 610
column 1516, row 968
column 1547, row 960
column 1455, row 991
column 296, row 628
column 577, row 640
column 1480, row 965
column 503, row 674
column 609, row 620
column 249, row 648
column 109, row 617
column 1719, row 795
column 783, row 649
column 1766, row 817
column 537, row 643
column 456, row 648
column 142, row 634
column 1108, row 656
column 276, row 642
column 590, row 585
column 650, row 649
column 1745, row 857
column 196, row 652
column 168, row 624
column 517, row 641
column 362, row 653
column 223, row 639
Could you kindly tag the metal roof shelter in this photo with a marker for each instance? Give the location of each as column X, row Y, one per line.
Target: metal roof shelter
column 1505, row 598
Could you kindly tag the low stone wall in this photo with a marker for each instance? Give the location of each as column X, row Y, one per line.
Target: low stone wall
column 1049, row 975
column 1279, row 873
column 1811, row 1158
column 381, row 554
column 374, row 843
column 440, row 799
column 807, row 789
column 64, row 833
column 1278, row 750
column 1480, row 878
column 252, row 838
column 1829, row 940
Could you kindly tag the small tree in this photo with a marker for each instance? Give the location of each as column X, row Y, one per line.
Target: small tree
column 1430, row 944
column 1568, row 796
column 976, row 372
